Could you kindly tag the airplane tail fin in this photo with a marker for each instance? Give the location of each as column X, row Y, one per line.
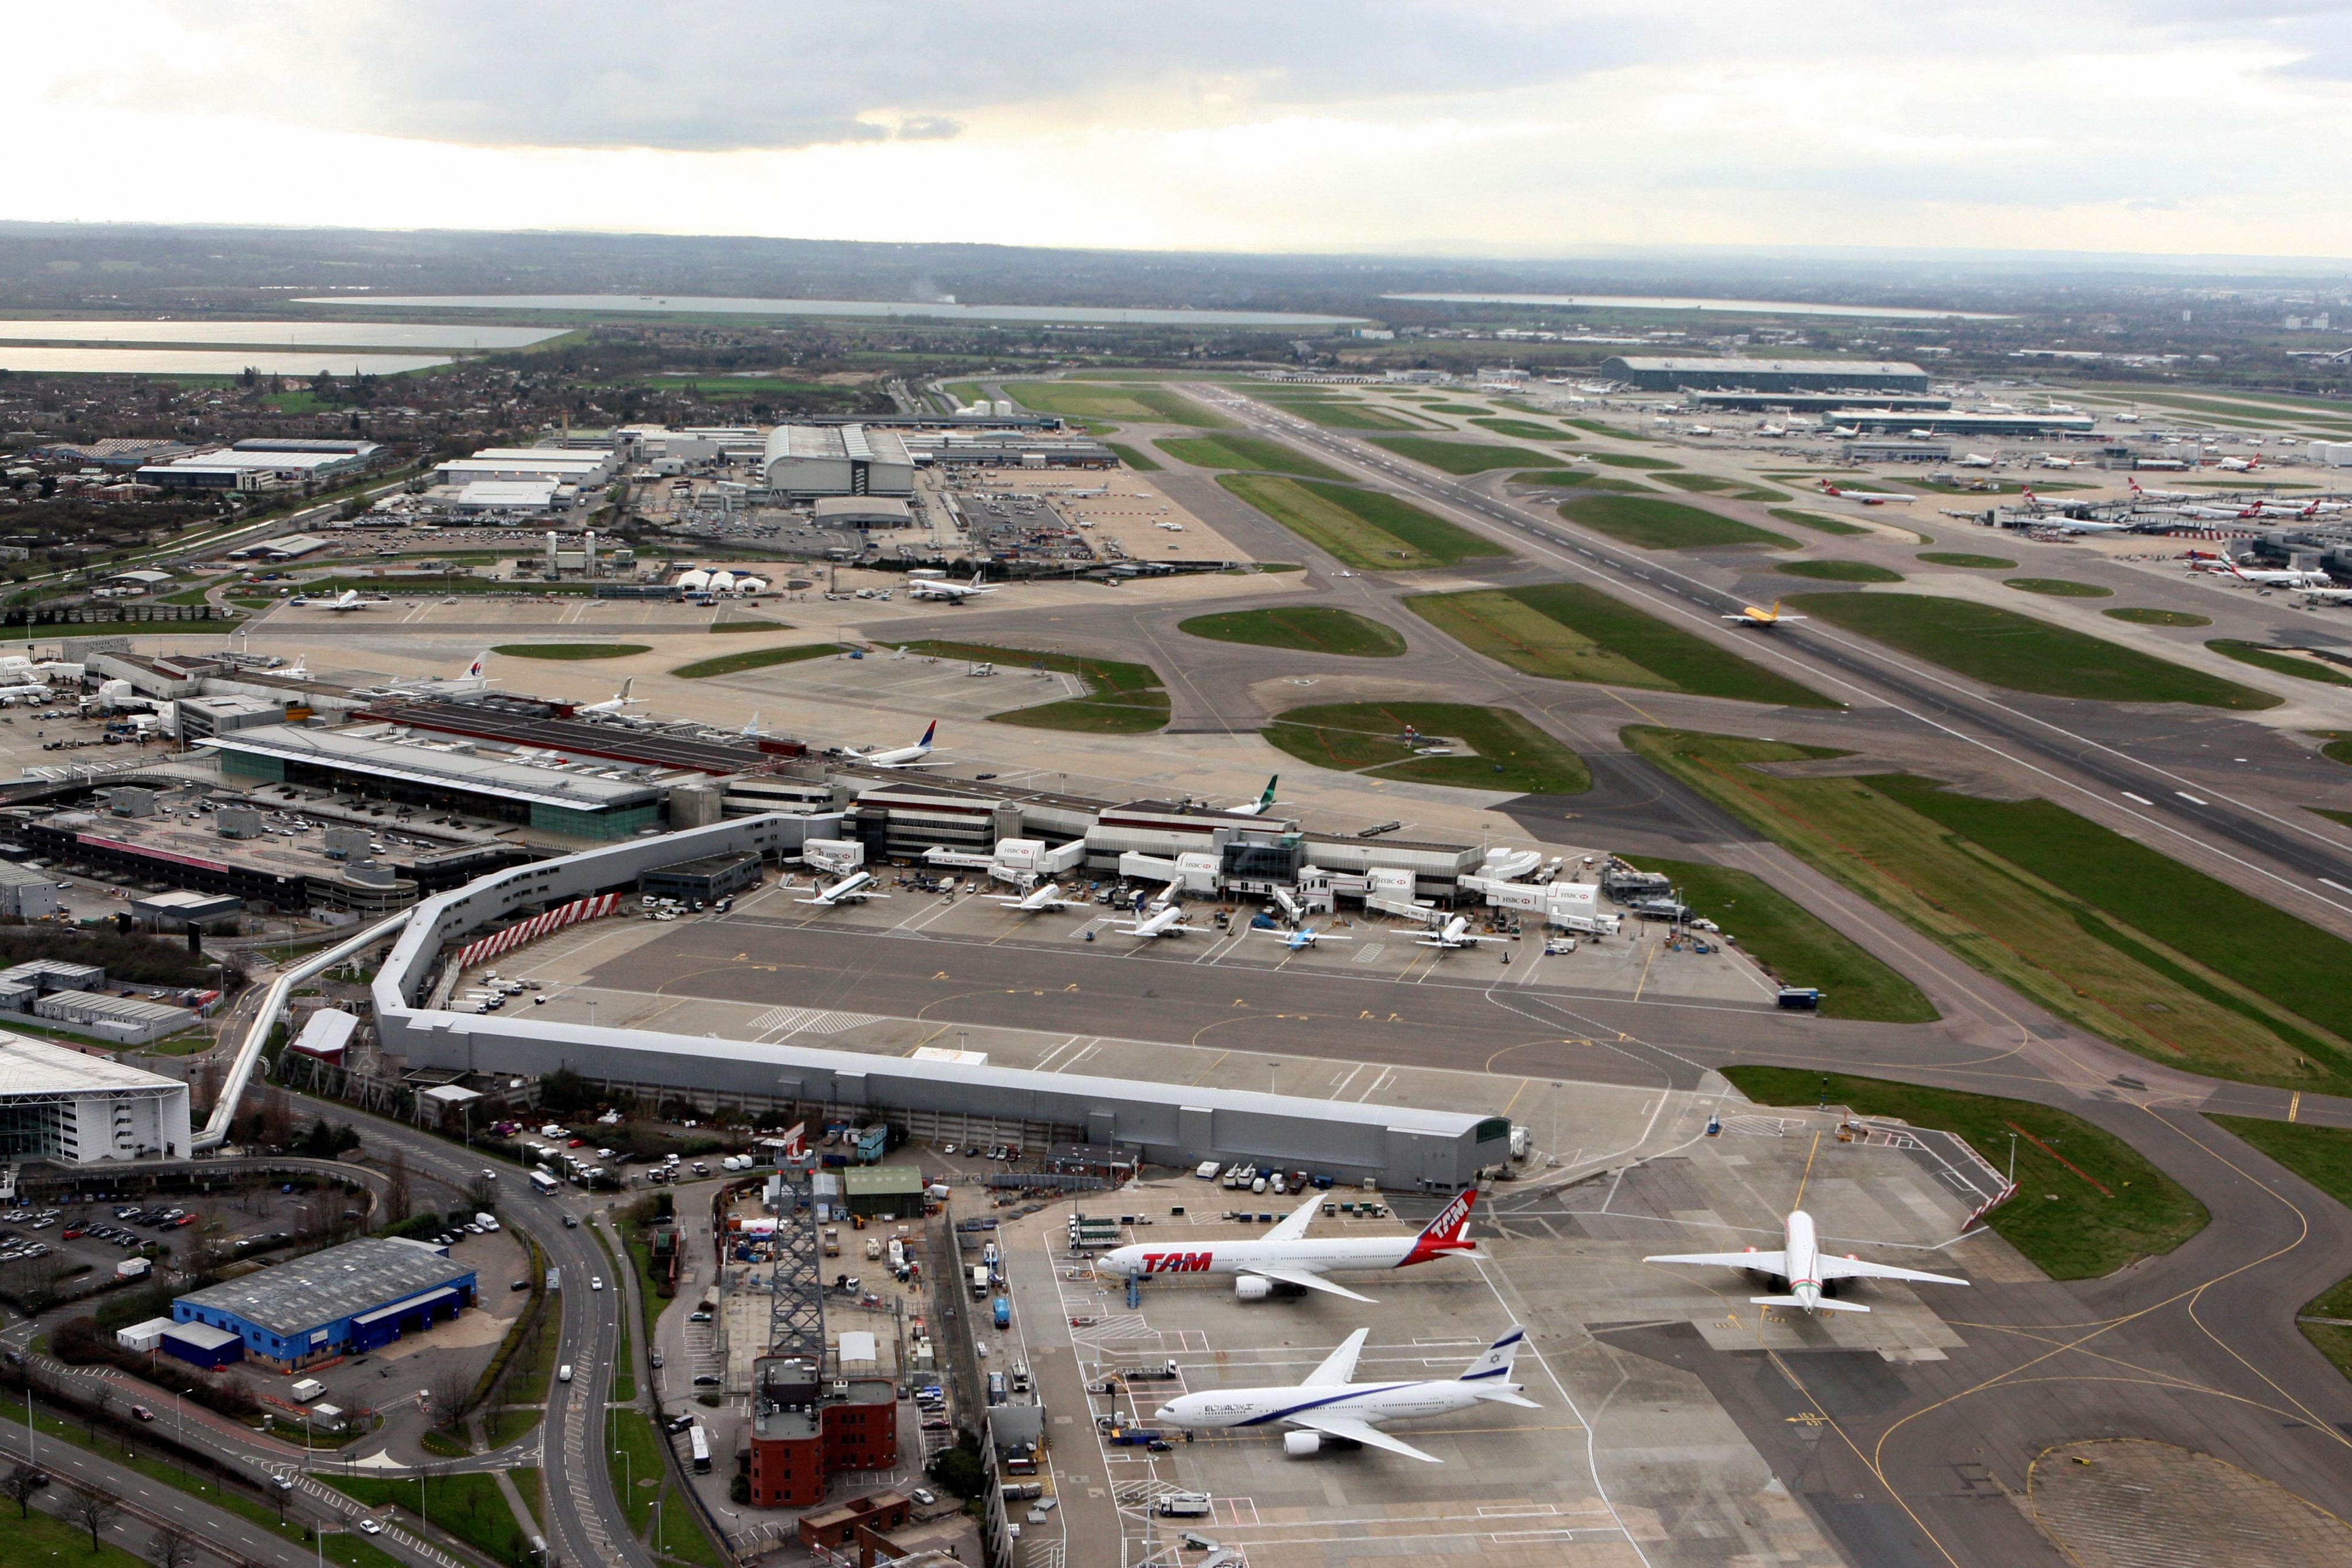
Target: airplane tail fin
column 475, row 671
column 626, row 686
column 1266, row 799
column 1449, row 1232
column 1493, row 1362
column 929, row 730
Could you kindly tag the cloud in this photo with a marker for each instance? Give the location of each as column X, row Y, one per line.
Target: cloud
column 930, row 128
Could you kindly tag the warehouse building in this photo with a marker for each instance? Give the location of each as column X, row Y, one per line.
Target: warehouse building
column 345, row 1300
column 805, row 461
column 1766, row 375
column 883, row 1191
column 585, row 468
column 60, row 1104
column 271, row 466
column 864, row 512
column 126, row 1020
column 510, row 499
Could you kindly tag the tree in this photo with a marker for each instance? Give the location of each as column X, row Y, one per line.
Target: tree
column 482, row 1192
column 94, row 1511
column 102, row 1395
column 20, row 1484
column 171, row 1547
column 395, row 1197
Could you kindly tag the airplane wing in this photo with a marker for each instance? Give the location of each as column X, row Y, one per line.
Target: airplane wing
column 1770, row 1262
column 1294, row 1224
column 1356, row 1431
column 1855, row 1269
column 1339, row 1366
column 1303, row 1280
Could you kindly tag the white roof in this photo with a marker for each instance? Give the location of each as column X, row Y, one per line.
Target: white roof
column 328, row 1031
column 37, row 1067
column 508, row 493
column 856, row 1345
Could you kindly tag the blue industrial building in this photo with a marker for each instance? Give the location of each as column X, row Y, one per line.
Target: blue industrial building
column 341, row 1301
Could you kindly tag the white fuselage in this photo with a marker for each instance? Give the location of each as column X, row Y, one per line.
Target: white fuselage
column 1169, row 922
column 898, row 756
column 1309, row 1256
column 1376, row 1403
column 1802, row 1250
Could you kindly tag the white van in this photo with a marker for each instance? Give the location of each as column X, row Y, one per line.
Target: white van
column 563, row 1373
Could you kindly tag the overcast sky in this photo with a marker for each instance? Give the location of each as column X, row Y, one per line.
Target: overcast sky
column 1521, row 129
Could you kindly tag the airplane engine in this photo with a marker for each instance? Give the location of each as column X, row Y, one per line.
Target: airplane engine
column 1253, row 1287
column 1302, row 1445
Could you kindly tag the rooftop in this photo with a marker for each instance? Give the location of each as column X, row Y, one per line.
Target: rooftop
column 861, row 1181
column 375, row 749
column 1776, row 367
column 359, row 1276
column 37, row 1067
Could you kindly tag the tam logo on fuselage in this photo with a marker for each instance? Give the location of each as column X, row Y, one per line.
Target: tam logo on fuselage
column 1176, row 1262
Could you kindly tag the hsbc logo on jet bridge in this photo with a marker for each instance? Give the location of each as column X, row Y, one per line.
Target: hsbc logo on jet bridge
column 1176, row 1262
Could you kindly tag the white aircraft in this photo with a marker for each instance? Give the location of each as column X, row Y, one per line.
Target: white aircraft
column 2219, row 514
column 2140, row 495
column 1751, row 616
column 1867, row 498
column 2280, row 579
column 349, row 600
column 933, row 588
column 751, row 730
column 1454, row 933
column 1328, row 1407
column 2047, row 516
column 1040, row 900
column 11, row 696
column 2328, row 596
column 1167, row 922
column 1975, row 460
column 915, row 755
column 1301, row 940
column 2050, row 460
column 1259, row 806
column 2237, row 464
column 1800, row 1263
column 1286, row 1256
column 854, row 888
column 618, row 703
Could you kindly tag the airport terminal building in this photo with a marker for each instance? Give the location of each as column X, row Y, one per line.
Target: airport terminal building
column 1765, row 375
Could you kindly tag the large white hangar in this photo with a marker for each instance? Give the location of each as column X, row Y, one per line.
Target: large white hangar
column 59, row 1103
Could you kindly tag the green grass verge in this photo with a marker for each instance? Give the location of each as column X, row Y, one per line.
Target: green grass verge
column 1580, row 478
column 39, row 1540
column 1839, row 570
column 1121, row 698
column 1310, row 629
column 1523, row 429
column 2140, row 616
column 526, row 1481
column 1337, row 414
column 680, row 1533
column 2280, row 662
column 2322, row 1156
column 2022, row 654
column 1511, row 754
column 1709, row 484
column 1144, row 404
column 1570, row 632
column 754, row 659
column 638, row 1479
column 749, row 623
column 1459, row 457
column 1631, row 460
column 1369, row 530
column 468, row 1505
column 1964, row 558
column 1603, row 427
column 1248, row 452
column 2057, row 587
column 1656, row 523
column 2111, row 936
column 1794, row 946
column 2064, row 1225
column 1134, row 457
column 571, row 651
column 448, row 1445
column 1816, row 521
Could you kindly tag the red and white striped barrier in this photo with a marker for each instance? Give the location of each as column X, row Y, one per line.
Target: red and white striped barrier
column 536, row 927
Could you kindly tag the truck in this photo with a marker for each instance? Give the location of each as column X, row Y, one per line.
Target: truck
column 1183, row 1505
column 832, row 1241
column 1159, row 1372
column 1003, row 1313
column 979, row 1281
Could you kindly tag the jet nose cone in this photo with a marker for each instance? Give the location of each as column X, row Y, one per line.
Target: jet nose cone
column 1165, row 1413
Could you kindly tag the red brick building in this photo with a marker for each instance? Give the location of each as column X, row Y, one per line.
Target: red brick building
column 805, row 1428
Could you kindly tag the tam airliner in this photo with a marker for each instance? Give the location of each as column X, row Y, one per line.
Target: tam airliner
column 1286, row 1255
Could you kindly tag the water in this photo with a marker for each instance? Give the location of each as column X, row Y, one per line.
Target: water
column 616, row 304
column 1662, row 302
column 278, row 334
column 210, row 363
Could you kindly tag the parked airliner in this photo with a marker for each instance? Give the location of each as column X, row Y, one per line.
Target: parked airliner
column 1167, row 922
column 619, row 702
column 854, row 888
column 1328, row 1407
column 915, row 755
column 1259, row 806
column 949, row 592
column 1801, row 1266
column 1300, row 940
column 1867, row 498
column 1454, row 933
column 1286, row 1255
column 1040, row 900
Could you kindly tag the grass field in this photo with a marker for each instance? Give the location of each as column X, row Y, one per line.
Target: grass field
column 2017, row 652
column 1567, row 631
column 2280, row 662
column 2139, row 617
column 467, row 1504
column 2338, row 748
column 1523, row 429
column 1334, row 414
column 1460, row 457
column 1839, row 570
column 748, row 623
column 1631, row 460
column 1794, row 946
column 2322, row 1156
column 571, row 650
column 1311, row 629
column 1963, row 558
column 2065, row 1226
column 1121, row 698
column 1367, row 530
column 1580, row 478
column 1133, row 457
column 1603, row 427
column 1712, row 484
column 2057, row 587
column 1088, row 400
column 754, row 659
column 1816, row 521
column 1248, row 452
column 2114, row 939
column 1656, row 523
column 1511, row 754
